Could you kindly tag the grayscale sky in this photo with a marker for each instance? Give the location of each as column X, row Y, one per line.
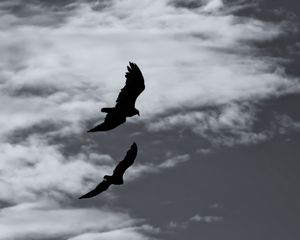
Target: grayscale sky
column 218, row 134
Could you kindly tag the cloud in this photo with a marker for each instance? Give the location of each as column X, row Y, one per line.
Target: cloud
column 206, row 219
column 203, row 150
column 226, row 125
column 213, row 5
column 61, row 74
column 125, row 233
column 174, row 225
column 59, row 67
column 215, row 205
column 172, row 162
column 40, row 13
column 140, row 169
column 40, row 181
column 34, row 169
column 41, row 220
column 195, row 218
column 285, row 124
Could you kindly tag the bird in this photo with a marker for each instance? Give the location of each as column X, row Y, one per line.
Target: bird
column 125, row 103
column 117, row 177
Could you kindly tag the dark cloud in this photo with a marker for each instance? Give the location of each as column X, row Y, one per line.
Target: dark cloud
column 46, row 13
column 31, row 91
column 24, row 8
column 189, row 4
column 269, row 10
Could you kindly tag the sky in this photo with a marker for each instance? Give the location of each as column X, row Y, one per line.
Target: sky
column 218, row 135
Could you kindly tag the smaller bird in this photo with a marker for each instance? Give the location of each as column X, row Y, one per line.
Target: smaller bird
column 117, row 177
column 125, row 103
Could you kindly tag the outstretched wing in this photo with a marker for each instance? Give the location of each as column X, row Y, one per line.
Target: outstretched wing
column 111, row 121
column 133, row 87
column 104, row 185
column 126, row 162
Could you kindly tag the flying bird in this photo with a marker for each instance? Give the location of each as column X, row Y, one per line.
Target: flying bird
column 117, row 176
column 125, row 104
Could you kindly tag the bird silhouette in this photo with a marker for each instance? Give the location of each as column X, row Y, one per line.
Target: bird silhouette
column 117, row 176
column 125, row 104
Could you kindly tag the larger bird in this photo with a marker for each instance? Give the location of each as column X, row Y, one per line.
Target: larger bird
column 117, row 177
column 125, row 104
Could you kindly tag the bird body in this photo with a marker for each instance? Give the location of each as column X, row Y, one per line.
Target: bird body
column 113, row 119
column 125, row 103
column 117, row 177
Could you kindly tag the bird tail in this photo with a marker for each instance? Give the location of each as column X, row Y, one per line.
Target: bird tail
column 107, row 110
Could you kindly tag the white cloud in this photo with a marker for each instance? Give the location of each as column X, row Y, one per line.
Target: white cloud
column 215, row 205
column 47, row 219
column 194, row 60
column 227, row 125
column 36, row 176
column 35, row 169
column 213, row 5
column 140, row 169
column 195, row 218
column 206, row 219
column 173, row 224
column 125, row 233
column 203, row 150
column 172, row 162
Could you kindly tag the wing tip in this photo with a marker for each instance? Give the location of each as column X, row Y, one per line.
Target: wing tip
column 134, row 146
column 93, row 130
column 132, row 64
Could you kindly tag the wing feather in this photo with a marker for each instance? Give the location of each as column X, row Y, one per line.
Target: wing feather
column 104, row 185
column 126, row 162
column 134, row 86
column 111, row 121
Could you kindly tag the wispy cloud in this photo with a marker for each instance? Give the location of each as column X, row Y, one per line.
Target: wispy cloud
column 137, row 233
column 285, row 124
column 206, row 219
column 176, row 225
column 170, row 162
column 224, row 125
column 196, row 218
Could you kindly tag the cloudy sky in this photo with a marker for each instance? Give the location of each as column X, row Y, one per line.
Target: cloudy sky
column 218, row 135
